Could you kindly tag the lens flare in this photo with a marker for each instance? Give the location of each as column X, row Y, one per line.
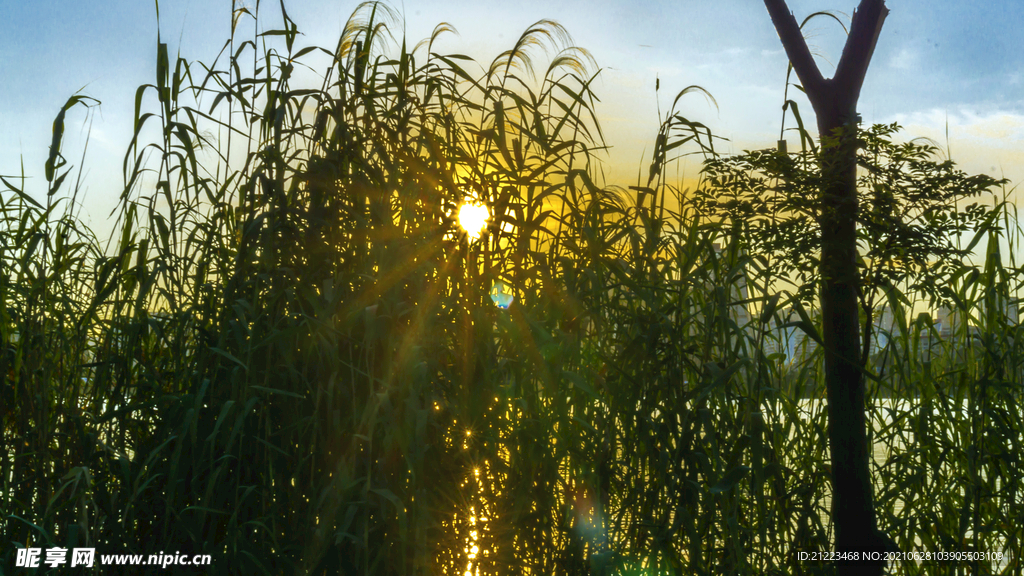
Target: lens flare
column 502, row 295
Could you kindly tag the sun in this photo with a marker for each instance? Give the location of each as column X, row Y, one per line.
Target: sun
column 473, row 217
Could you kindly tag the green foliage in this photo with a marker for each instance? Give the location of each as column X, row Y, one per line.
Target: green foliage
column 287, row 358
column 910, row 220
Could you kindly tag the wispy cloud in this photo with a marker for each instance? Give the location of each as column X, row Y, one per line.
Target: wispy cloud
column 905, row 59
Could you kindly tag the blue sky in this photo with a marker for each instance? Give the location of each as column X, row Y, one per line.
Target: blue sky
column 937, row 61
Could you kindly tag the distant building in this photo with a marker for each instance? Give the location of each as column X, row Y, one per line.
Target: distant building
column 739, row 313
column 947, row 322
column 791, row 341
column 950, row 322
column 883, row 328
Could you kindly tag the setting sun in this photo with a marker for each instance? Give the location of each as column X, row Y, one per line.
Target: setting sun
column 371, row 296
column 473, row 218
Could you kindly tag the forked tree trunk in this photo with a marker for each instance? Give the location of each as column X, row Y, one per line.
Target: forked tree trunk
column 835, row 105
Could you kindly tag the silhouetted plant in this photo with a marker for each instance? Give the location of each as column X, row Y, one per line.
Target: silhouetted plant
column 287, row 358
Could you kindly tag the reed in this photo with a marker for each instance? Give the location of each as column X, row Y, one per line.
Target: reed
column 287, row 358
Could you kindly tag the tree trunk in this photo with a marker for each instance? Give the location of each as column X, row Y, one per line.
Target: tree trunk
column 835, row 105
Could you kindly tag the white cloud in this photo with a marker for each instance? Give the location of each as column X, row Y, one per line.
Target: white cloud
column 1000, row 128
column 905, row 59
column 987, row 142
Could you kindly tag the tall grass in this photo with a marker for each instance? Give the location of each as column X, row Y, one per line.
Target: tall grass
column 287, row 358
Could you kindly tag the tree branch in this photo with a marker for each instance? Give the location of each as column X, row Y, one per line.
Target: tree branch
column 796, row 49
column 860, row 45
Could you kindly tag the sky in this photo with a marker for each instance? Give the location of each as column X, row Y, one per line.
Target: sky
column 938, row 65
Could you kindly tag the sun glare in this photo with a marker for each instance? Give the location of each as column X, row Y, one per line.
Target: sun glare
column 473, row 218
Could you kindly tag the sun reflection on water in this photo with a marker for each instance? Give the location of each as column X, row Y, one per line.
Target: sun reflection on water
column 476, row 522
